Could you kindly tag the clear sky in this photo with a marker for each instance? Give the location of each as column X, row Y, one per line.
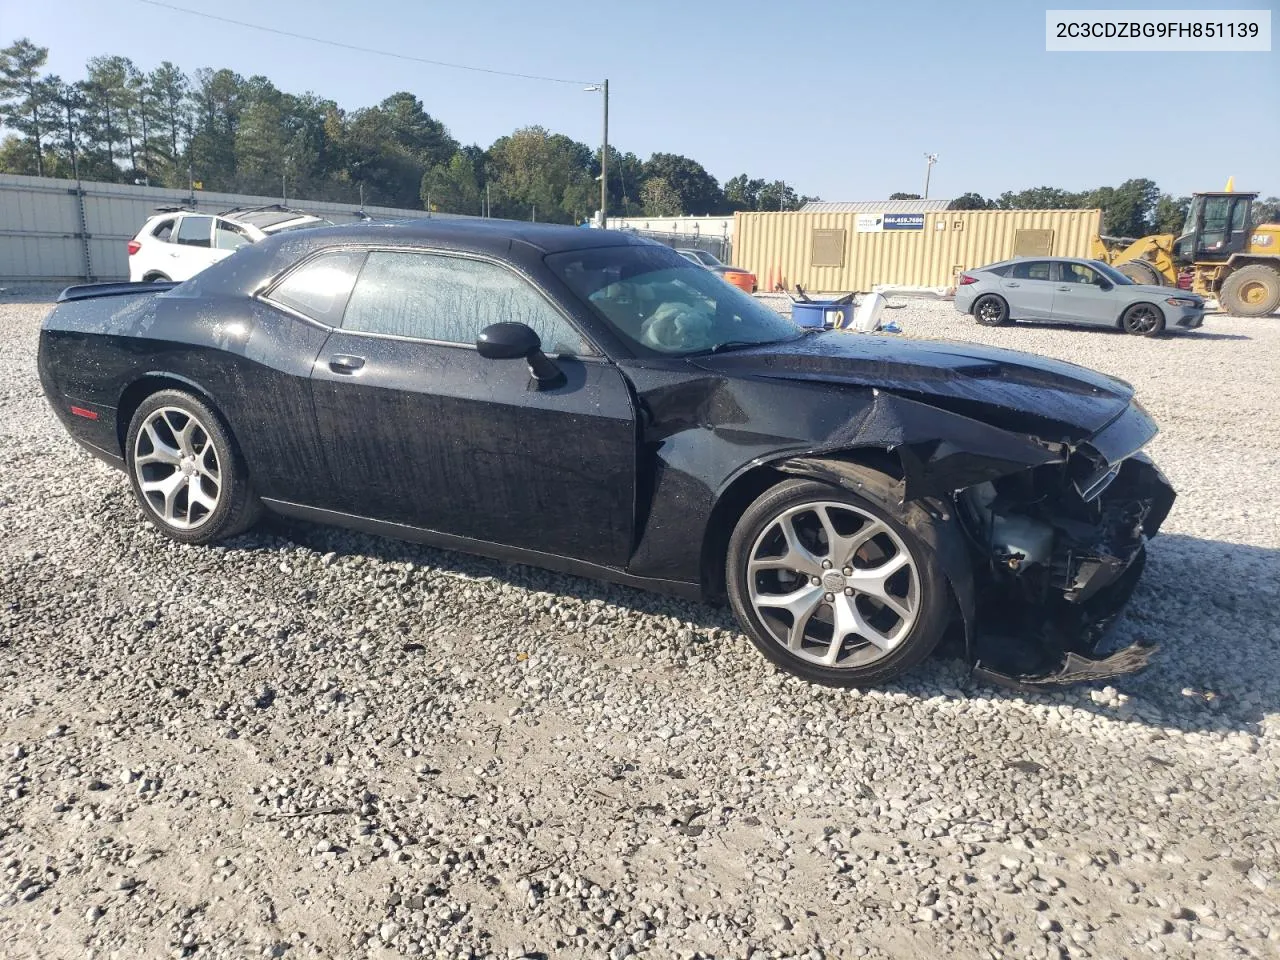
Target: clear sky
column 840, row 98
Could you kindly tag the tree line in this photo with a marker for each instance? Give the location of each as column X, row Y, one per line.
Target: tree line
column 223, row 132
column 1136, row 208
column 219, row 131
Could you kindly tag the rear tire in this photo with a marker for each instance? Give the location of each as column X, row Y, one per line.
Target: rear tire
column 808, row 561
column 1139, row 271
column 991, row 311
column 186, row 473
column 1251, row 291
column 1143, row 320
column 155, row 278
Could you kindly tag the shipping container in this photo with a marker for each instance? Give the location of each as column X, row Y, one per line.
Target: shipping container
column 848, row 251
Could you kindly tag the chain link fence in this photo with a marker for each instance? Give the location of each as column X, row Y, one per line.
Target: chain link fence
column 719, row 247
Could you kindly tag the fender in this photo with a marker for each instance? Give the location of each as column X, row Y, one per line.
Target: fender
column 148, row 383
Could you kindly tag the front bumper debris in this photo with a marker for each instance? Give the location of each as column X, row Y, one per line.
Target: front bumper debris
column 1046, row 626
column 1074, row 668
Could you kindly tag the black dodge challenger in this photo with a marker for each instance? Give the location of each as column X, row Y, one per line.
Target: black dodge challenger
column 593, row 403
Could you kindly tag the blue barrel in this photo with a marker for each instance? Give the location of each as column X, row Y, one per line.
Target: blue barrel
column 822, row 313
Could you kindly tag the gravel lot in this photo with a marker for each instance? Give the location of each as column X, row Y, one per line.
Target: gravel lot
column 312, row 743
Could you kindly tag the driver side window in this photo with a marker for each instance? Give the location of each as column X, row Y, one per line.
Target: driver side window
column 450, row 299
column 1079, row 273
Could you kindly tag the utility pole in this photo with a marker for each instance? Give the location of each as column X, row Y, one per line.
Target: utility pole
column 930, row 159
column 603, row 87
column 604, row 164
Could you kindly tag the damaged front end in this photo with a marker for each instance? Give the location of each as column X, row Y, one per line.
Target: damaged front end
column 1043, row 554
column 1063, row 547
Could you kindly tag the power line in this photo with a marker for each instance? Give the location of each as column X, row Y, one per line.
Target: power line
column 360, row 49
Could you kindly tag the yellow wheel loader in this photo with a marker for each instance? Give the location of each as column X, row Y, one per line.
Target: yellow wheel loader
column 1219, row 254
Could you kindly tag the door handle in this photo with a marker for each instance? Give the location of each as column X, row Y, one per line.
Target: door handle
column 342, row 363
column 1013, row 283
column 1065, row 289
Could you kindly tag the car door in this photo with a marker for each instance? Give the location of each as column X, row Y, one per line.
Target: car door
column 191, row 247
column 421, row 430
column 1083, row 295
column 1028, row 289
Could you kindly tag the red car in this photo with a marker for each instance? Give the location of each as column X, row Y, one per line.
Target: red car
column 742, row 279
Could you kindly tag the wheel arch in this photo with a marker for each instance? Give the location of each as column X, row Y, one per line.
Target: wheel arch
column 745, row 488
column 875, row 474
column 1139, row 303
column 1238, row 260
column 994, row 295
column 133, row 396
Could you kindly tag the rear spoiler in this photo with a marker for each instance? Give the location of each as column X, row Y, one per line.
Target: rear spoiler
column 91, row 291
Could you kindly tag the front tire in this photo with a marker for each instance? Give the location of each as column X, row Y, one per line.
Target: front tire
column 1143, row 320
column 991, row 311
column 185, row 471
column 1251, row 291
column 831, row 588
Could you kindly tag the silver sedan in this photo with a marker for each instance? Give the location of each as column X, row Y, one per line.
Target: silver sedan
column 1074, row 291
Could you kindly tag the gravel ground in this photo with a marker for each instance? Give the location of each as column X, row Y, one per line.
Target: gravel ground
column 311, row 743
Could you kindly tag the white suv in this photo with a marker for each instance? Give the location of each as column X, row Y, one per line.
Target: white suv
column 177, row 244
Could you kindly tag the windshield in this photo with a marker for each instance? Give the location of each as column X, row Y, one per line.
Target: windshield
column 662, row 304
column 707, row 258
column 1111, row 273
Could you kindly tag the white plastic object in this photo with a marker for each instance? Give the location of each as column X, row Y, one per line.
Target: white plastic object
column 866, row 319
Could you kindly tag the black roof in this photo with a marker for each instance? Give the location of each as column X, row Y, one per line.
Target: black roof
column 473, row 233
column 516, row 241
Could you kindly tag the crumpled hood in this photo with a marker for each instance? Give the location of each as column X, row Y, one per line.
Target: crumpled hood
column 1007, row 388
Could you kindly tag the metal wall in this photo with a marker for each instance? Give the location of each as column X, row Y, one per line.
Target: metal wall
column 777, row 246
column 57, row 230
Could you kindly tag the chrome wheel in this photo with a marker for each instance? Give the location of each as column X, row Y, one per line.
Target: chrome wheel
column 177, row 468
column 833, row 584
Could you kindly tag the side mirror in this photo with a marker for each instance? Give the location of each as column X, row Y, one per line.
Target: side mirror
column 1105, row 284
column 516, row 341
column 508, row 341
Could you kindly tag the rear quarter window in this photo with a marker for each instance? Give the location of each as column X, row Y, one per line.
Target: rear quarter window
column 163, row 230
column 1031, row 270
column 320, row 288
